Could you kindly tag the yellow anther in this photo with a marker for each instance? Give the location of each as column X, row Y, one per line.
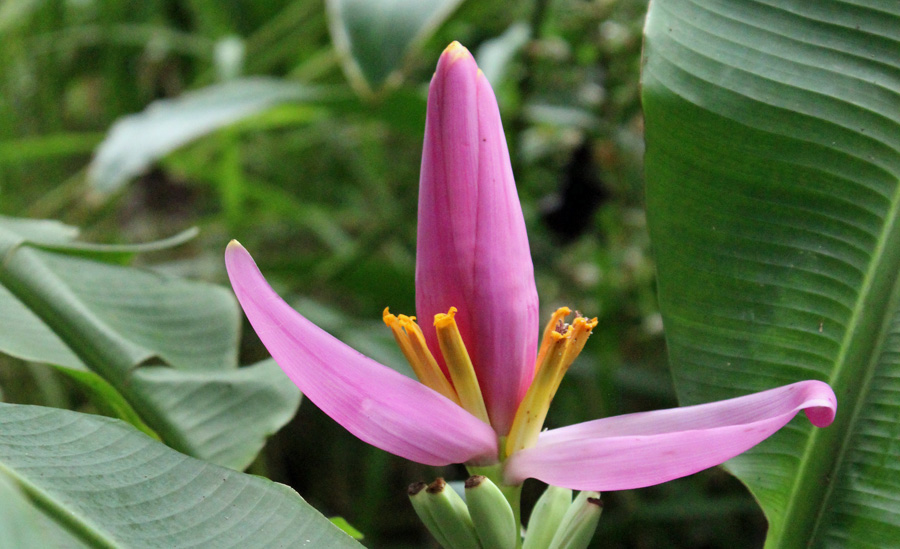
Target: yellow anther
column 578, row 334
column 462, row 373
column 412, row 343
column 560, row 346
column 558, row 316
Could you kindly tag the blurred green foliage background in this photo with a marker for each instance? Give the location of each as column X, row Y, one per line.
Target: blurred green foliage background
column 322, row 190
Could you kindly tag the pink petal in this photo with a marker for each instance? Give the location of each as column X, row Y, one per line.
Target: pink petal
column 380, row 406
column 472, row 248
column 637, row 450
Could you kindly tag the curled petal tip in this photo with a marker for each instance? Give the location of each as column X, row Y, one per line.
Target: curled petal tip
column 822, row 403
column 821, row 416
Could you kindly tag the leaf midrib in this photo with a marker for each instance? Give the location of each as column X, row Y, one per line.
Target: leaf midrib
column 101, row 348
column 65, row 517
column 814, row 483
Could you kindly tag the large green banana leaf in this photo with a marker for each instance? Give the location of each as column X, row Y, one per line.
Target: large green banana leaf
column 773, row 156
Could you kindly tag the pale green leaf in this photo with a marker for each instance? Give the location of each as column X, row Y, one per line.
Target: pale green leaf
column 185, row 324
column 108, row 401
column 138, row 140
column 374, row 38
column 53, row 235
column 19, row 520
column 495, row 55
column 153, row 349
column 23, row 526
column 115, row 487
column 118, row 294
column 38, row 231
column 228, row 416
column 26, row 336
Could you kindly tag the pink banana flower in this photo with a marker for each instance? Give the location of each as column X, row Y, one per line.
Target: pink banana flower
column 485, row 383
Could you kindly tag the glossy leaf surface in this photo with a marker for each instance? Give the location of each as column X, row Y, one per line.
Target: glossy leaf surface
column 112, row 486
column 773, row 157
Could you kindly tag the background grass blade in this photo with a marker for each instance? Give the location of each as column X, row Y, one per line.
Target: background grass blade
column 773, row 156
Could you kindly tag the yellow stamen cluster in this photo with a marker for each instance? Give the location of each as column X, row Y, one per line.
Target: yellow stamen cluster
column 462, row 387
column 560, row 345
column 412, row 343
